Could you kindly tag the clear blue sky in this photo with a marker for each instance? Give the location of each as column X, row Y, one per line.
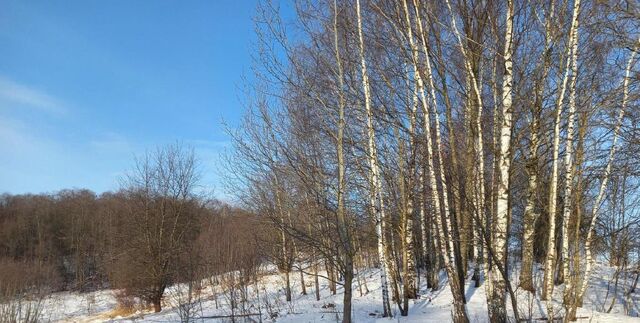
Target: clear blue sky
column 86, row 85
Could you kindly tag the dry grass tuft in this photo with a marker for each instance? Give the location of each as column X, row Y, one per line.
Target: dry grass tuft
column 120, row 311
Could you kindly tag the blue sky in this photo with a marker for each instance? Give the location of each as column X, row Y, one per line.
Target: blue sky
column 87, row 85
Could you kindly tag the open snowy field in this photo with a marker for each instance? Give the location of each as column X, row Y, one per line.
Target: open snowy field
column 269, row 301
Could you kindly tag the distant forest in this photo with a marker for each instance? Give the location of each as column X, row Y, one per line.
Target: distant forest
column 155, row 231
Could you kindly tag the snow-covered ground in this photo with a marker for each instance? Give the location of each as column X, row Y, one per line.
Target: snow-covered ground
column 431, row 307
column 74, row 307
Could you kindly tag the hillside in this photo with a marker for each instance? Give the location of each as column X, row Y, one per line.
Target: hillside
column 431, row 307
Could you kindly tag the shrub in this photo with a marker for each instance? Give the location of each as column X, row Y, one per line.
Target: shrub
column 24, row 285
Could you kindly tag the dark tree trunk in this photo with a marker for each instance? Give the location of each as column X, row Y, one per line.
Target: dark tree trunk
column 304, row 288
column 348, row 281
column 288, row 286
column 316, row 280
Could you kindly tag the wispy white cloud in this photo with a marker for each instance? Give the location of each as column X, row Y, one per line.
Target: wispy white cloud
column 28, row 159
column 40, row 159
column 17, row 138
column 21, row 94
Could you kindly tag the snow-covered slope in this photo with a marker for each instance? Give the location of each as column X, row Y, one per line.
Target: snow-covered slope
column 269, row 300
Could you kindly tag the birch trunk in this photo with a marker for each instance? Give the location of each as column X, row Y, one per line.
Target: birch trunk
column 406, row 229
column 424, row 232
column 435, row 244
column 569, row 169
column 603, row 186
column 579, row 198
column 498, row 312
column 495, row 145
column 547, row 290
column 409, row 252
column 373, row 171
column 283, row 239
column 459, row 311
column 475, row 222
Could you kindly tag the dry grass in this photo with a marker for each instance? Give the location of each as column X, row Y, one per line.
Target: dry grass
column 120, row 311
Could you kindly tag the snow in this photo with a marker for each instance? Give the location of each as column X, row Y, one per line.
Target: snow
column 75, row 307
column 432, row 306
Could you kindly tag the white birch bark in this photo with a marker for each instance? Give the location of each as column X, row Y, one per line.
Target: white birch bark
column 568, row 185
column 375, row 207
column 553, row 189
column 498, row 312
column 283, row 238
column 459, row 312
column 603, row 184
column 410, row 252
column 476, row 235
column 406, row 238
column 423, row 217
column 426, row 111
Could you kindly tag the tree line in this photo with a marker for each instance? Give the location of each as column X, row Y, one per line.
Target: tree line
column 156, row 231
column 475, row 137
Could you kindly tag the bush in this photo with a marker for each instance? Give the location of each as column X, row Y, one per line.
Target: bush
column 24, row 285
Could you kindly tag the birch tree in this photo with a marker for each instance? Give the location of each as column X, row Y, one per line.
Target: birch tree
column 579, row 293
column 497, row 299
column 376, row 208
column 459, row 314
column 572, row 49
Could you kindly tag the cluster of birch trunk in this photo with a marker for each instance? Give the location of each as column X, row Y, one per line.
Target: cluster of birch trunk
column 475, row 138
